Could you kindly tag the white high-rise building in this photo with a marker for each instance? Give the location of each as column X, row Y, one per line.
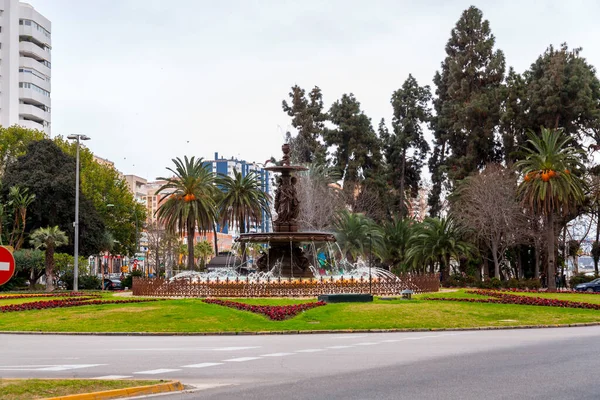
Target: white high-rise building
column 24, row 66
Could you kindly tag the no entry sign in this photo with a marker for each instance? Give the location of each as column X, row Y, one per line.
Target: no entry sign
column 7, row 265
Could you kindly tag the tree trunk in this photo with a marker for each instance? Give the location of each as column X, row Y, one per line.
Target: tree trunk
column 215, row 238
column 49, row 268
column 402, row 173
column 551, row 271
column 536, row 261
column 496, row 262
column 190, row 245
column 597, row 238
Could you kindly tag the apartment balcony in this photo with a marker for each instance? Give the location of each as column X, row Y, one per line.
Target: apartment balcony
column 32, row 96
column 31, row 124
column 32, row 50
column 30, row 78
column 33, row 112
column 29, row 62
column 29, row 30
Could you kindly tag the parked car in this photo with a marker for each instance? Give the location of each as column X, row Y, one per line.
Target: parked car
column 593, row 286
column 112, row 284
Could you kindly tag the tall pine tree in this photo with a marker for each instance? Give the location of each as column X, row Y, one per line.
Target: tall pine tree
column 308, row 118
column 469, row 89
column 406, row 148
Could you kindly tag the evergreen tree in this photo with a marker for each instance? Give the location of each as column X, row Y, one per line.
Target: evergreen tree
column 357, row 157
column 562, row 91
column 513, row 126
column 469, row 106
column 406, row 149
column 308, row 118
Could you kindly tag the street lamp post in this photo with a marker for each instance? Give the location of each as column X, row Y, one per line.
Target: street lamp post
column 370, row 263
column 78, row 137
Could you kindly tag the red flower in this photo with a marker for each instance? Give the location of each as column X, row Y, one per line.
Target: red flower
column 277, row 313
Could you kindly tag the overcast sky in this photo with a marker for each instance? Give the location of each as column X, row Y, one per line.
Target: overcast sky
column 149, row 80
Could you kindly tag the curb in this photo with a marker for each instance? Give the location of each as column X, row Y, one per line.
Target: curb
column 172, row 386
column 311, row 332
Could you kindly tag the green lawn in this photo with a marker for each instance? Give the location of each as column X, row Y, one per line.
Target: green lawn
column 192, row 315
column 15, row 389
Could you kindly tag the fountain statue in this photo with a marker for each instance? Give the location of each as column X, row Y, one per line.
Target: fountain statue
column 284, row 245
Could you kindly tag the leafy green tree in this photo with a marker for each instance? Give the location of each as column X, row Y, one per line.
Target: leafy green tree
column 29, row 264
column 552, row 183
column 107, row 190
column 467, row 104
column 190, row 202
column 14, row 214
column 355, row 233
column 48, row 238
column 406, row 148
column 243, row 202
column 203, row 250
column 49, row 174
column 438, row 240
column 513, row 119
column 309, row 119
column 13, row 143
column 563, row 91
column 357, row 157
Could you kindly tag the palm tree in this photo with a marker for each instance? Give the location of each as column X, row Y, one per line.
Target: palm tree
column 203, row 250
column 355, row 234
column 190, row 201
column 49, row 238
column 243, row 202
column 19, row 199
column 438, row 240
column 552, row 183
column 396, row 234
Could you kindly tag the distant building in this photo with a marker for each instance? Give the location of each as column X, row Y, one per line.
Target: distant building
column 223, row 166
column 25, row 71
column 137, row 186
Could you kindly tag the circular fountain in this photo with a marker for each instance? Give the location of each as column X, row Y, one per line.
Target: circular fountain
column 285, row 246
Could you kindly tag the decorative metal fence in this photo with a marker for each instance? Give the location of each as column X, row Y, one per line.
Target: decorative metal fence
column 283, row 287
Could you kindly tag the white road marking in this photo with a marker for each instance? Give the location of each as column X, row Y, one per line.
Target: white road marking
column 339, row 347
column 201, row 365
column 156, row 371
column 349, row 337
column 365, row 344
column 309, row 350
column 4, row 266
column 48, row 368
column 277, row 355
column 422, row 337
column 242, row 359
column 112, row 377
column 392, row 340
column 152, row 349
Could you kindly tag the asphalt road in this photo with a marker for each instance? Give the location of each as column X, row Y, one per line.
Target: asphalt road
column 500, row 364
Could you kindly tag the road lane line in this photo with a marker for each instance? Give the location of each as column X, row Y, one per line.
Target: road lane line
column 365, row 344
column 277, row 355
column 309, row 350
column 113, row 377
column 339, row 347
column 156, row 371
column 57, row 368
column 242, row 359
column 201, row 365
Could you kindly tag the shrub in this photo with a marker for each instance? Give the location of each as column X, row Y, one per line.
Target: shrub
column 580, row 278
column 84, row 282
column 128, row 281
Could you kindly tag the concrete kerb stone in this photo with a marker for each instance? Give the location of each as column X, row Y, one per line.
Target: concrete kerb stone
column 172, row 386
column 307, row 332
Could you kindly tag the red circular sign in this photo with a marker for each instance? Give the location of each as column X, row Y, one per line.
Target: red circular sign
column 7, row 265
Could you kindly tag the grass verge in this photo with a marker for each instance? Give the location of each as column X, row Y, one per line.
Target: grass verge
column 192, row 315
column 18, row 389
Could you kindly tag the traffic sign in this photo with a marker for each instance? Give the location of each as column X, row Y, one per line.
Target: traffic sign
column 7, row 265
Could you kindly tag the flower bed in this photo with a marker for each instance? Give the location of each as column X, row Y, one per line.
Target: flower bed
column 276, row 313
column 505, row 298
column 41, row 295
column 81, row 301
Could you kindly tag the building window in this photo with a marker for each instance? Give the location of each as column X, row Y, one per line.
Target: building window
column 34, row 24
column 34, row 73
column 27, row 85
